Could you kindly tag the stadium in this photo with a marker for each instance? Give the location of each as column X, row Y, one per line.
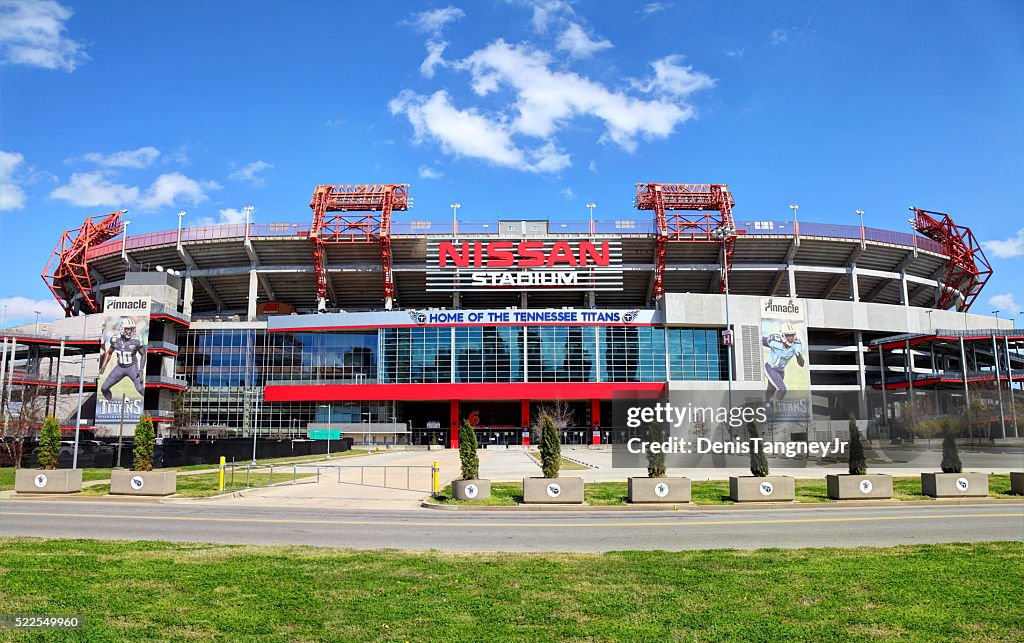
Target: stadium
column 363, row 321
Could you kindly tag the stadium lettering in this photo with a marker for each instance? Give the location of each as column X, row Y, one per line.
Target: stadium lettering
column 525, row 254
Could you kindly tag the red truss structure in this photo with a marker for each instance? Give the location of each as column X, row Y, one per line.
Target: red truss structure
column 684, row 212
column 347, row 214
column 67, row 273
column 968, row 269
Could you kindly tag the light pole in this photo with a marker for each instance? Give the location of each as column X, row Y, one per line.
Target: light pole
column 3, row 319
column 796, row 222
column 591, row 207
column 248, row 212
column 124, row 239
column 996, row 313
column 81, row 384
column 724, row 233
column 455, row 218
column 181, row 214
column 330, row 419
column 860, row 213
column 37, row 320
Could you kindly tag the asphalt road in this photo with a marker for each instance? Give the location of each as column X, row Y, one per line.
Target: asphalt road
column 508, row 531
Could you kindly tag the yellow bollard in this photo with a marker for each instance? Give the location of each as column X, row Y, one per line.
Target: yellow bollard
column 220, row 484
column 437, row 477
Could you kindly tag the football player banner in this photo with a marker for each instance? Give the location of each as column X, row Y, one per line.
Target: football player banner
column 785, row 367
column 122, row 374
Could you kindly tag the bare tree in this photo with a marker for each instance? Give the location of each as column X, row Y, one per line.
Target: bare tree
column 21, row 419
column 183, row 418
column 561, row 416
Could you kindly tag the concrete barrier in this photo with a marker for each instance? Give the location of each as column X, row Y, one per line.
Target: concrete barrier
column 553, row 490
column 756, row 489
column 642, row 490
column 870, row 486
column 954, row 485
column 143, row 483
column 48, row 481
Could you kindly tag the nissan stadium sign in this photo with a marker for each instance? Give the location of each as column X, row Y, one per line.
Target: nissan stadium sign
column 524, row 264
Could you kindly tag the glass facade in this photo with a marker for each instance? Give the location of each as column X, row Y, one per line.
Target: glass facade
column 697, row 354
column 226, row 369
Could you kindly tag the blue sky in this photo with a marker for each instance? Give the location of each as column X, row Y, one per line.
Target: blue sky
column 512, row 108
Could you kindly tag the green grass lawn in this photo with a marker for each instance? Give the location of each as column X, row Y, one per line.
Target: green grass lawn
column 171, row 591
column 566, row 465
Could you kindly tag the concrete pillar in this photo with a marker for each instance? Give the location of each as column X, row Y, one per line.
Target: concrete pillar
column 456, row 300
column 524, row 418
column 591, row 299
column 862, row 377
column 253, row 290
column 522, row 299
column 167, row 362
column 854, row 286
column 453, row 437
column 595, row 421
column 186, row 297
column 904, row 295
column 792, row 281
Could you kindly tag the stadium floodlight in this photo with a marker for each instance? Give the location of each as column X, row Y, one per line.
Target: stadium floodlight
column 181, row 214
column 124, row 239
column 455, row 217
column 591, row 206
column 860, row 213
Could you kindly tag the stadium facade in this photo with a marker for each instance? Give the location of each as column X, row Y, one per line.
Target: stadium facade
column 391, row 329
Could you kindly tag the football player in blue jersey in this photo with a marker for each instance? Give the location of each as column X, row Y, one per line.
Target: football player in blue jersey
column 130, row 354
column 783, row 346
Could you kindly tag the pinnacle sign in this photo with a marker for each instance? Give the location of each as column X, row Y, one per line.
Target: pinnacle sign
column 524, row 264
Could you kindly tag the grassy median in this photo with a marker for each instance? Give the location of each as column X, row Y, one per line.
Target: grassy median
column 165, row 591
column 709, row 492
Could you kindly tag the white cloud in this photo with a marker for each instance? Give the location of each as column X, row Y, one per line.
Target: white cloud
column 435, row 52
column 12, row 197
column 93, row 189
column 735, row 53
column 592, row 166
column 32, row 34
column 1006, row 248
column 531, row 97
column 429, row 173
column 546, row 11
column 432, row 22
column 249, row 173
column 140, row 158
column 674, row 79
column 568, row 193
column 1005, row 303
column 779, row 36
column 227, row 215
column 655, row 7
column 174, row 187
column 21, row 310
column 470, row 133
column 578, row 44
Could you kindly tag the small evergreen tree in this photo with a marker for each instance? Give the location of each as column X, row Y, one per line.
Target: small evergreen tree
column 145, row 439
column 655, row 461
column 858, row 465
column 49, row 443
column 550, row 448
column 467, row 452
column 950, row 452
column 758, row 460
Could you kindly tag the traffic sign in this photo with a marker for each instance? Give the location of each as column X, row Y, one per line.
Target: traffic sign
column 324, row 434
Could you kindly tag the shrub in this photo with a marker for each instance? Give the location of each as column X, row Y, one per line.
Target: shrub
column 950, row 453
column 858, row 465
column 145, row 439
column 49, row 443
column 467, row 452
column 550, row 449
column 655, row 461
column 758, row 460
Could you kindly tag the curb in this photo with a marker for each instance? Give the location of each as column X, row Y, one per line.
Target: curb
column 745, row 506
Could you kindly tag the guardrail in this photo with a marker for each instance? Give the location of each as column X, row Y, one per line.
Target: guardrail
column 368, row 476
column 747, row 226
